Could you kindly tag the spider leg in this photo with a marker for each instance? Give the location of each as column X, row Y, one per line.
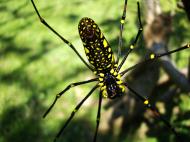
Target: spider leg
column 154, row 57
column 152, row 108
column 98, row 117
column 135, row 41
column 66, row 89
column 122, row 22
column 42, row 20
column 74, row 111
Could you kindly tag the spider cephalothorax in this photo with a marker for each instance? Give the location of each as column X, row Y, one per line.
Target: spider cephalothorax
column 111, row 85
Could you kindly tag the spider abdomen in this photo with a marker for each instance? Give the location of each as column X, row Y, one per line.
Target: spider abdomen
column 97, row 49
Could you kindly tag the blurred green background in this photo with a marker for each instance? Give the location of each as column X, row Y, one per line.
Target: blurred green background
column 35, row 65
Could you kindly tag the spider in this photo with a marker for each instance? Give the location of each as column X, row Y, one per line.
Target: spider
column 104, row 65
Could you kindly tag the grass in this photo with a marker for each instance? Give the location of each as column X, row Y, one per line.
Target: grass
column 35, row 65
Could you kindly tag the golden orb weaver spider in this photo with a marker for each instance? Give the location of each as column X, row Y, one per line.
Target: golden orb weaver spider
column 104, row 66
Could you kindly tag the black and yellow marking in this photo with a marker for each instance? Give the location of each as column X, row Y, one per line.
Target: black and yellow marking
column 97, row 48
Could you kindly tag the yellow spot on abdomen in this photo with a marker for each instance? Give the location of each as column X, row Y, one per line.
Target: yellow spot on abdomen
column 86, row 50
column 109, row 56
column 101, row 35
column 113, row 60
column 105, row 43
column 109, row 49
column 108, row 65
column 112, row 71
column 115, row 73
